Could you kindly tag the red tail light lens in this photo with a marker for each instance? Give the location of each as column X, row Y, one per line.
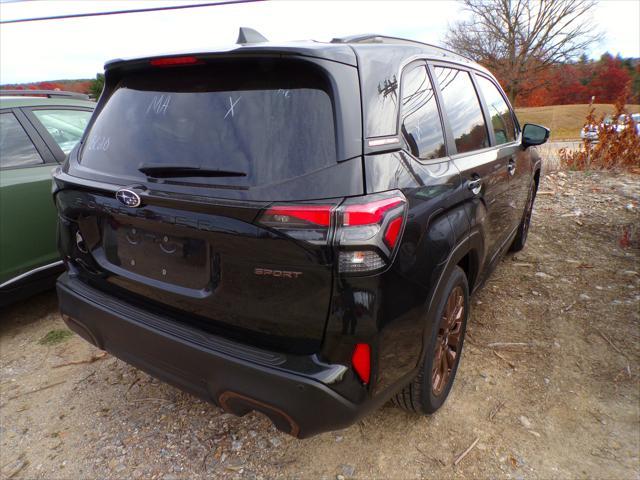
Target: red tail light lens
column 393, row 232
column 173, row 61
column 315, row 214
column 369, row 213
column 361, row 361
column 303, row 222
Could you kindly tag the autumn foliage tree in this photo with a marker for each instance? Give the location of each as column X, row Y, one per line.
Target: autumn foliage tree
column 576, row 83
column 610, row 80
column 79, row 86
column 520, row 39
column 96, row 86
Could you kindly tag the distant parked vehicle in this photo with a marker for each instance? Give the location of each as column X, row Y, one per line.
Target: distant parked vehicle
column 592, row 131
column 623, row 120
column 38, row 128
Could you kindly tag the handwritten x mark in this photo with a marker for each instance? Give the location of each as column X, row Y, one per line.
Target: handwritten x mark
column 231, row 105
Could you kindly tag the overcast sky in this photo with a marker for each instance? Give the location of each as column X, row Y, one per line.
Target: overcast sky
column 78, row 48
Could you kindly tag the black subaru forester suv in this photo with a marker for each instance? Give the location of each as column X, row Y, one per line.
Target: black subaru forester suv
column 293, row 228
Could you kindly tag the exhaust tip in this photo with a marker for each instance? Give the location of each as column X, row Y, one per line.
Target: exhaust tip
column 240, row 405
column 81, row 330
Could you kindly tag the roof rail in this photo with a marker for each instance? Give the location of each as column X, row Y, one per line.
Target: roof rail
column 46, row 93
column 375, row 38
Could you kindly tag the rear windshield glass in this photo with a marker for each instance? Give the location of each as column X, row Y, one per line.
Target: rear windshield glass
column 243, row 123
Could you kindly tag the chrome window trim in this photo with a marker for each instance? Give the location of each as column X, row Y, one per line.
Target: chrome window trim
column 30, row 272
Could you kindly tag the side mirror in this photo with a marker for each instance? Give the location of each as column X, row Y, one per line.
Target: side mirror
column 533, row 134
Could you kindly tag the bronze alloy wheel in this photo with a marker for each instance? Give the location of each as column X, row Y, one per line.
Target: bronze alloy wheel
column 448, row 343
column 429, row 389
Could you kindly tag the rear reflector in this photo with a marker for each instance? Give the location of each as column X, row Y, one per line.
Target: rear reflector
column 361, row 361
column 377, row 142
column 173, row 61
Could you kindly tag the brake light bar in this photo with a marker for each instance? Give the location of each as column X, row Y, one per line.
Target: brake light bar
column 173, row 61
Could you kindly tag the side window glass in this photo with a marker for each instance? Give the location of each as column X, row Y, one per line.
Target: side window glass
column 16, row 149
column 501, row 118
column 463, row 109
column 421, row 125
column 65, row 126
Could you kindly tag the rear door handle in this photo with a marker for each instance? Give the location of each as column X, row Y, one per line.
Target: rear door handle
column 511, row 168
column 475, row 185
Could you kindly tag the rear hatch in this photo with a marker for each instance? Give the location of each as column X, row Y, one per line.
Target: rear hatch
column 203, row 190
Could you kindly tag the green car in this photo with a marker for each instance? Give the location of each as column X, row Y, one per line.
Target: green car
column 36, row 134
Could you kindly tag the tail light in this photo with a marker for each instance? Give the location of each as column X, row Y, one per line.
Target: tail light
column 365, row 230
column 369, row 230
column 303, row 222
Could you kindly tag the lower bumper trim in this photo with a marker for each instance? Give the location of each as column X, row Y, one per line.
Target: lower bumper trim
column 296, row 404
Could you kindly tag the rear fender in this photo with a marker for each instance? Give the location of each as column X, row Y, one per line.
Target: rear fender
column 466, row 254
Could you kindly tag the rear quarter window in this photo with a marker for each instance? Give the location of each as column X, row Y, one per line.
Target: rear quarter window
column 65, row 126
column 271, row 122
column 421, row 127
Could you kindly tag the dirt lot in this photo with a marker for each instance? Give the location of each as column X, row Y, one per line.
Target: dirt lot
column 561, row 401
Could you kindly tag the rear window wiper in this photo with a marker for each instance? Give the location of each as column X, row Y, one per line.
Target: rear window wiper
column 172, row 171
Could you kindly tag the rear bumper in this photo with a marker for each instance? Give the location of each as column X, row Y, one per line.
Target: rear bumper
column 236, row 377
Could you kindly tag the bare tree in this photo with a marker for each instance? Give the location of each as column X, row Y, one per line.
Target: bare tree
column 518, row 39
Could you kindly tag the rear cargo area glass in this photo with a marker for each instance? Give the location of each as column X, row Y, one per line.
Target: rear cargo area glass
column 265, row 122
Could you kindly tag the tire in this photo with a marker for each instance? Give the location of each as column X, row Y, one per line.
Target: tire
column 523, row 229
column 429, row 390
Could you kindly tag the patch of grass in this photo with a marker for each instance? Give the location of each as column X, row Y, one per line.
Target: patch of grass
column 565, row 121
column 54, row 337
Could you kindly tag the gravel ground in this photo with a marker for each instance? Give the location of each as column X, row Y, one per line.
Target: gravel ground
column 550, row 151
column 548, row 386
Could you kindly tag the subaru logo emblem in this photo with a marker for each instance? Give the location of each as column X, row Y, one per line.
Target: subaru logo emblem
column 128, row 198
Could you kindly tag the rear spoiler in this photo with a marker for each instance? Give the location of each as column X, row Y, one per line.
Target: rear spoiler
column 249, row 42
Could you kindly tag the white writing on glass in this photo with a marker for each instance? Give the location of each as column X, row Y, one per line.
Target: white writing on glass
column 99, row 143
column 159, row 104
column 231, row 105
